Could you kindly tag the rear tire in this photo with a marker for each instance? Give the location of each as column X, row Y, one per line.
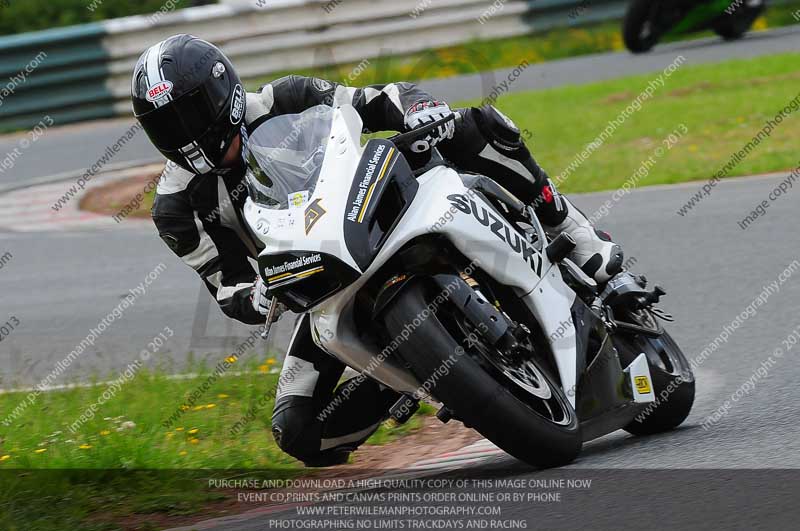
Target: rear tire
column 733, row 27
column 475, row 396
column 637, row 28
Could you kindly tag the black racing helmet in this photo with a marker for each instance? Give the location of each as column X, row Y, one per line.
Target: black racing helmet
column 189, row 100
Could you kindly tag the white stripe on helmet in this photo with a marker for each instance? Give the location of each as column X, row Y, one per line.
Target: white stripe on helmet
column 153, row 71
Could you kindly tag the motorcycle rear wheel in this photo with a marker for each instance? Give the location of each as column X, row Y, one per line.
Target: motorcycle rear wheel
column 494, row 402
column 733, row 27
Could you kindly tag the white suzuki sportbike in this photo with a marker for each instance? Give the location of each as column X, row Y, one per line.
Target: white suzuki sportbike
column 444, row 285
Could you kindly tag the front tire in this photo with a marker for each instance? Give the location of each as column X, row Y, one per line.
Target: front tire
column 476, row 397
column 673, row 384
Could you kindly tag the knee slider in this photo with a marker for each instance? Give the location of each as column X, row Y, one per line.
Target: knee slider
column 295, row 433
column 302, row 442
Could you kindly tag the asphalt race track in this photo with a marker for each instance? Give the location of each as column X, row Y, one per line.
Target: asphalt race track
column 60, row 285
column 712, row 271
column 710, row 267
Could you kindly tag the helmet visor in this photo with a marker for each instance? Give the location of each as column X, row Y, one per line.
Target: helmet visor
column 286, row 153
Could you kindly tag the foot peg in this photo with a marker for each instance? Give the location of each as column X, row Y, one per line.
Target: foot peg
column 444, row 414
column 560, row 247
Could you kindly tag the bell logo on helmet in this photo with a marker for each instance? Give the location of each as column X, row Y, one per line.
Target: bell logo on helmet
column 237, row 104
column 159, row 90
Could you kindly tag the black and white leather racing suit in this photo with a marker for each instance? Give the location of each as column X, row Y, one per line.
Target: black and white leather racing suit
column 200, row 218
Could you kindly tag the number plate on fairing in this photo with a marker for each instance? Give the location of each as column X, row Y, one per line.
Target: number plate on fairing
column 641, row 381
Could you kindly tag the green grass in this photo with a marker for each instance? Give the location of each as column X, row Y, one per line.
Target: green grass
column 201, row 437
column 723, row 106
column 165, row 465
column 41, row 436
column 34, row 15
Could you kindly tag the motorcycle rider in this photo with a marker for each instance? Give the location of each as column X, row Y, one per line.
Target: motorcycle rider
column 191, row 103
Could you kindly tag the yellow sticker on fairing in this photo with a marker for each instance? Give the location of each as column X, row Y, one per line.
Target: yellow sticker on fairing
column 642, row 384
column 298, row 199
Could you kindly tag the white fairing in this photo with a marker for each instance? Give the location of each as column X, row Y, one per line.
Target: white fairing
column 468, row 222
column 551, row 303
column 284, row 230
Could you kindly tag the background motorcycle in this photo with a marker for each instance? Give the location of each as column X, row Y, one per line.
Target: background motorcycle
column 443, row 285
column 648, row 21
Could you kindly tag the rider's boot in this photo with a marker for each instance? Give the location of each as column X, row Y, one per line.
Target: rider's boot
column 594, row 252
column 488, row 142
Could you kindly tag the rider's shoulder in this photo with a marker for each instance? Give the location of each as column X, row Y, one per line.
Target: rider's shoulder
column 280, row 93
column 172, row 200
column 259, row 103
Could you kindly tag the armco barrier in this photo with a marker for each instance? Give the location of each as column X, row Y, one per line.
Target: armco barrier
column 86, row 71
column 304, row 33
column 61, row 72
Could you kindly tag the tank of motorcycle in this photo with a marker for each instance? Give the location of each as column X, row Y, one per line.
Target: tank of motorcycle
column 310, row 230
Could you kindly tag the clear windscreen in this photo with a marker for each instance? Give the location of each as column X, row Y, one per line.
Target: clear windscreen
column 285, row 155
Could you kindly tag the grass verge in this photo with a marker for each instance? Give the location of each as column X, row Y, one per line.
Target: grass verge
column 56, row 475
column 721, row 105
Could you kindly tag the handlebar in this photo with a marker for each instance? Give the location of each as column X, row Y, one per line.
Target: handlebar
column 406, row 139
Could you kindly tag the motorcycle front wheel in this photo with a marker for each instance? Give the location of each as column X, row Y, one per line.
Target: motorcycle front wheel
column 638, row 31
column 514, row 403
column 673, row 380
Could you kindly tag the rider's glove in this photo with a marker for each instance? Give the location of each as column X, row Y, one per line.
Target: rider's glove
column 423, row 113
column 259, row 297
